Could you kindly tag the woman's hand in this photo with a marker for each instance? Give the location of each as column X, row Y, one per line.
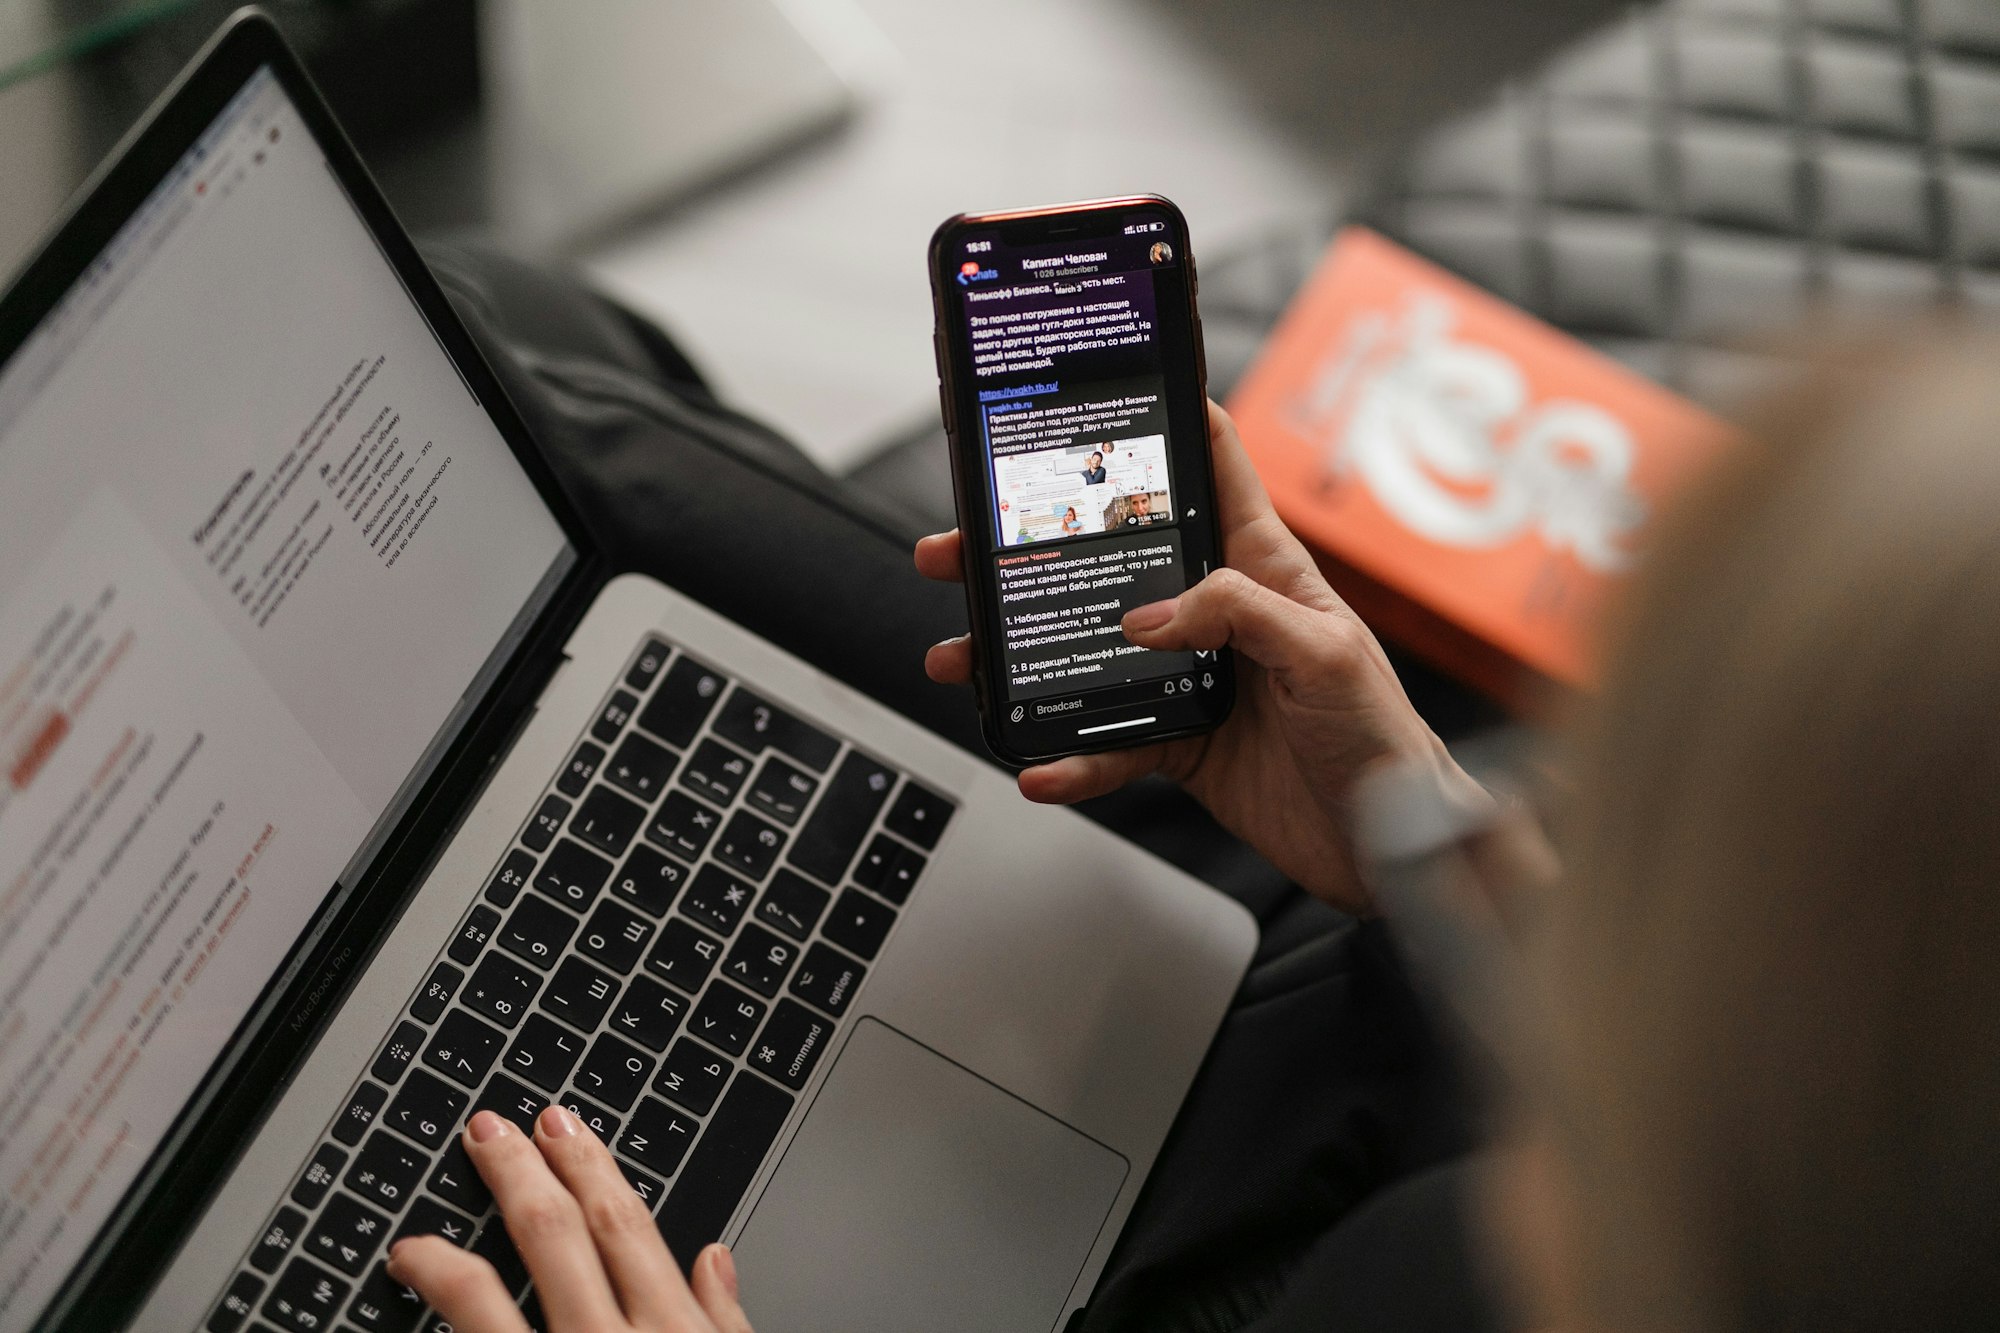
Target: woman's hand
column 1316, row 699
column 594, row 1252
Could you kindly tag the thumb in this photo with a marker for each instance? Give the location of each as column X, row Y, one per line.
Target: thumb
column 715, row 1289
column 1228, row 609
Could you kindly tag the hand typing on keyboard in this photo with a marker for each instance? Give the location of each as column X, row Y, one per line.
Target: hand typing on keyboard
column 1317, row 701
column 593, row 1249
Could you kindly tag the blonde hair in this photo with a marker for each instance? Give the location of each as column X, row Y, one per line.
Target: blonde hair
column 1775, row 964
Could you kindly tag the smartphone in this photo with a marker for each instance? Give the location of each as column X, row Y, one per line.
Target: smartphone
column 1074, row 391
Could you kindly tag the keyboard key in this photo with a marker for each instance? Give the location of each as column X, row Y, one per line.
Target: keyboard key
column 649, row 1188
column 607, row 821
column 318, row 1177
column 615, row 937
column 683, row 825
column 826, row 845
column 755, row 724
column 641, row 768
column 614, row 1071
column 782, row 791
column 436, row 994
column 858, row 923
column 306, row 1299
column 717, row 899
column 720, row 1168
column 760, row 961
column 572, row 875
column 902, row 876
column 544, row 1053
column 359, row 1113
column 425, row 1110
column 463, row 1048
column 278, row 1240
column 579, row 994
column 658, row 1136
column 876, row 863
column 516, row 1102
column 347, row 1235
column 684, row 955
column 537, row 932
column 649, row 880
column 383, row 1305
column 749, row 844
column 792, row 904
column 428, row 1217
column 715, row 771
column 919, row 814
column 457, row 1181
column 496, row 1247
column 386, row 1172
column 548, row 820
column 611, row 719
column 472, row 936
column 648, row 1013
column 652, row 656
column 594, row 1117
column 500, row 989
column 828, row 978
column 686, row 695
column 397, row 1052
column 791, row 1044
column 507, row 881
column 726, row 1018
column 583, row 766
column 692, row 1076
column 236, row 1304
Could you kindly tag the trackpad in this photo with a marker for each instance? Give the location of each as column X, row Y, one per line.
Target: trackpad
column 919, row 1196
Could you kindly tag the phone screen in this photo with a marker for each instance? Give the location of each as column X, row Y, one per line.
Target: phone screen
column 1085, row 491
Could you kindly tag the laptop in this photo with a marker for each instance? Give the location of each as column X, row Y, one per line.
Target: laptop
column 343, row 793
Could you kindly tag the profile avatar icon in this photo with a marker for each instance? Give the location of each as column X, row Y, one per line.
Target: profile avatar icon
column 1162, row 253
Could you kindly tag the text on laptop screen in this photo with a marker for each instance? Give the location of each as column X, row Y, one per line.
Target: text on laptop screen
column 257, row 543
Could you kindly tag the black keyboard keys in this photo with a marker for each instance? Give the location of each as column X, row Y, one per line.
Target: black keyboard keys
column 548, row 820
column 876, row 863
column 792, row 904
column 397, row 1052
column 718, row 1171
column 359, row 1113
column 496, row 1247
column 854, row 794
column 319, row 1175
column 614, row 1071
column 472, row 936
column 749, row 844
column 647, row 1186
column 537, row 932
column 641, row 767
column 919, row 814
column 347, row 1235
column 649, row 880
column 683, row 701
column 278, row 1240
column 436, row 994
column 573, row 875
column 579, row 994
column 684, row 955
column 658, row 1136
column 593, row 1117
column 683, row 825
column 902, row 876
column 463, row 1048
column 760, row 960
column 828, row 978
column 791, row 1044
column 607, row 820
column 515, row 1102
column 726, row 1018
column 715, row 771
column 428, row 1217
column 457, row 1182
column 782, row 790
column 544, row 1053
column 501, row 989
column 754, row 724
column 858, row 923
column 386, row 1172
column 611, row 720
column 425, row 1110
column 583, row 766
column 507, row 881
column 692, row 1076
column 648, row 1013
column 236, row 1304
column 651, row 658
column 383, row 1305
column 306, row 1299
column 717, row 899
column 615, row 936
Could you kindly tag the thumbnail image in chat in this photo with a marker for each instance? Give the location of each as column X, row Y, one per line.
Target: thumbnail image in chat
column 1053, row 494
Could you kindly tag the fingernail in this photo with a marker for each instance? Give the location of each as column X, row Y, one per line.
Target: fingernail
column 485, row 1127
column 558, row 1123
column 1151, row 616
column 725, row 1268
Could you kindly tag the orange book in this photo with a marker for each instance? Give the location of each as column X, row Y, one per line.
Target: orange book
column 1474, row 482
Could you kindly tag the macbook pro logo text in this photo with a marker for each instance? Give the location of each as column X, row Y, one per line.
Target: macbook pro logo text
column 969, row 272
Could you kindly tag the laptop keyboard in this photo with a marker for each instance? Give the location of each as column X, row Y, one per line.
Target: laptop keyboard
column 668, row 949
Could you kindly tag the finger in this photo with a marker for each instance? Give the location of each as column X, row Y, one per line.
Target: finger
column 462, row 1287
column 1240, row 497
column 1229, row 609
column 950, row 662
column 546, row 1224
column 715, row 1288
column 1083, row 776
column 941, row 556
column 645, row 1276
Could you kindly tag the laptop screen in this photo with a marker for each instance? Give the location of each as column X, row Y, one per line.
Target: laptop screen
column 259, row 545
